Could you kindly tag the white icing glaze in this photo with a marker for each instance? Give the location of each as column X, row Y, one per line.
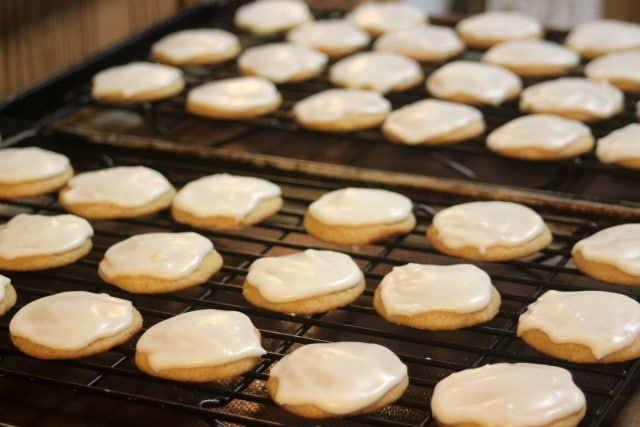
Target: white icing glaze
column 30, row 164
column 224, row 195
column 71, row 320
column 488, row 83
column 419, row 288
column 361, row 206
column 163, row 255
column 531, row 53
column 604, row 35
column 487, row 224
column 272, row 16
column 281, row 62
column 332, row 105
column 430, row 119
column 127, row 186
column 339, row 377
column 134, row 78
column 615, row 66
column 603, row 321
column 505, row 394
column 573, row 94
column 200, row 338
column 537, row 130
column 383, row 17
column 303, row 275
column 327, row 35
column 501, row 25
column 183, row 46
column 424, row 42
column 623, row 143
column 236, row 94
column 34, row 235
column 379, row 71
column 4, row 282
column 618, row 245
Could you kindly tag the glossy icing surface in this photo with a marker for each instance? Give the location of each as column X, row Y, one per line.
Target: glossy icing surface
column 235, row 94
column 618, row 245
column 501, row 25
column 340, row 104
column 531, row 52
column 615, row 66
column 422, row 41
column 604, row 35
column 384, row 17
column 270, row 16
column 134, row 78
column 185, row 45
column 620, row 144
column 329, row 34
column 4, row 281
column 280, row 62
column 30, row 163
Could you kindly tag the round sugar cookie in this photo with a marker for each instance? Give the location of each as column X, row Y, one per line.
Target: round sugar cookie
column 358, row 216
column 583, row 326
column 573, row 97
column 224, row 201
column 39, row 242
column 334, row 37
column 486, row 29
column 377, row 18
column 8, row 295
column 272, row 16
column 313, row 281
column 32, row 171
column 533, row 58
column 488, row 231
column 74, row 324
column 234, row 98
column 137, row 82
column 429, row 43
column 117, row 192
column 341, row 110
column 508, row 394
column 610, row 255
column 282, row 62
column 541, row 137
column 437, row 297
column 213, row 345
column 433, row 122
column 621, row 69
column 339, row 379
column 198, row 46
column 621, row 147
column 475, row 83
column 601, row 36
column 159, row 262
column 378, row 71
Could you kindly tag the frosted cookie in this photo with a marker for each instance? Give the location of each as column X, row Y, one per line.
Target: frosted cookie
column 341, row 110
column 573, row 97
column 39, row 242
column 506, row 394
column 583, row 326
column 196, row 47
column 358, row 216
column 473, row 82
column 610, row 255
column 432, row 122
column 621, row 69
column 137, row 82
column 621, row 147
column 489, row 28
column 75, row 324
column 282, row 62
column 437, row 297
column 602, row 36
column 333, row 37
column 32, row 171
column 307, row 282
column 423, row 43
column 200, row 346
column 8, row 296
column 541, row 137
column 488, row 231
column 117, row 192
column 378, row 71
column 224, row 201
column 533, row 58
column 339, row 379
column 234, row 98
column 377, row 18
column 272, row 16
column 159, row 262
